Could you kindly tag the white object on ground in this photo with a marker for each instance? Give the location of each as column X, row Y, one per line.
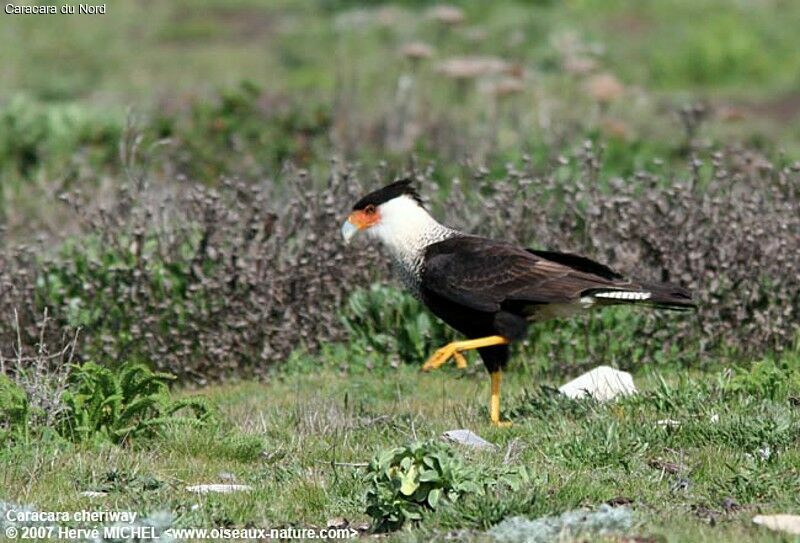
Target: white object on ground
column 782, row 523
column 93, row 494
column 668, row 423
column 602, row 383
column 468, row 438
column 221, row 488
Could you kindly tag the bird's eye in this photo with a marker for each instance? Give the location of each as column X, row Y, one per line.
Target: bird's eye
column 369, row 210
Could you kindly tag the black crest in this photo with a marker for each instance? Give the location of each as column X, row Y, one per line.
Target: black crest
column 389, row 192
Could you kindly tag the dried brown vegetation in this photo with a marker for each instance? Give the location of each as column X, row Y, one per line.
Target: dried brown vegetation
column 202, row 282
column 729, row 230
column 212, row 282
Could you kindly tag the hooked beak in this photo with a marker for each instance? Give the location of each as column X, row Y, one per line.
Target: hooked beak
column 348, row 231
column 358, row 220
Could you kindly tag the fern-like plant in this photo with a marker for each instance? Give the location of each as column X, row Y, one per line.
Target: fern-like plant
column 123, row 403
column 392, row 322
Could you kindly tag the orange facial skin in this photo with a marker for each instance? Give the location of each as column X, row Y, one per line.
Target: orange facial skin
column 364, row 218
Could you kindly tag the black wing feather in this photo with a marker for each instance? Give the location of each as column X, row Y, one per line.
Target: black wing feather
column 483, row 274
column 577, row 262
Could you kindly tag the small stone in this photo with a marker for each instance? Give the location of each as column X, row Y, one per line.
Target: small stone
column 219, row 488
column 713, row 419
column 337, row 522
column 468, row 438
column 682, row 484
column 780, row 523
column 668, row 467
column 602, row 383
column 93, row 494
column 730, row 505
column 668, row 423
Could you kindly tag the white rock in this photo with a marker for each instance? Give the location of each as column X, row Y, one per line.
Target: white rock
column 713, row 419
column 93, row 494
column 222, row 488
column 602, row 383
column 668, row 423
column 468, row 438
column 782, row 523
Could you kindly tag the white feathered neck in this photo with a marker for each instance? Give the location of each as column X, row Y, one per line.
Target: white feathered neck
column 406, row 229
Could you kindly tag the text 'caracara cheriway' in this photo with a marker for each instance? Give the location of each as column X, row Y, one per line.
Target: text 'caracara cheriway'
column 490, row 290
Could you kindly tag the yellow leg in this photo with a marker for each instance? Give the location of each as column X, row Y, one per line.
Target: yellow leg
column 455, row 349
column 494, row 407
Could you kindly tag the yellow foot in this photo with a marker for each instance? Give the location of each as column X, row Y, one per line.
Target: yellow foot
column 502, row 423
column 494, row 406
column 455, row 349
column 444, row 354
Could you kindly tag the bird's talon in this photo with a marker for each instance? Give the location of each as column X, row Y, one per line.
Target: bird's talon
column 502, row 423
column 441, row 356
column 434, row 362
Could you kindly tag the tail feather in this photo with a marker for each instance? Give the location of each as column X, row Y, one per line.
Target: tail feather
column 659, row 295
column 670, row 296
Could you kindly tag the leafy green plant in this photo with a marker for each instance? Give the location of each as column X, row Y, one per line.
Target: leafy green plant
column 36, row 135
column 391, row 322
column 407, row 481
column 14, row 409
column 245, row 119
column 119, row 404
column 766, row 379
column 90, row 283
column 107, row 270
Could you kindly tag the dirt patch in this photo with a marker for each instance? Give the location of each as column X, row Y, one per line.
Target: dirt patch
column 629, row 24
column 784, row 109
column 245, row 22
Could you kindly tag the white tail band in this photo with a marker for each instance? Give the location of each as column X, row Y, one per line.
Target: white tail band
column 633, row 296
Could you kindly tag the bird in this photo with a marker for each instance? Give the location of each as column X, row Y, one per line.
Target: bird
column 490, row 290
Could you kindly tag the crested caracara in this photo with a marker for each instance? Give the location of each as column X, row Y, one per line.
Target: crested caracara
column 490, row 290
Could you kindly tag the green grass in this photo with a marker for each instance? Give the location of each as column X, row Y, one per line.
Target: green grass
column 293, row 439
column 712, row 44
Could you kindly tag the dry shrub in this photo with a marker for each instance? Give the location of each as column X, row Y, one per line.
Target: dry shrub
column 730, row 232
column 201, row 282
column 39, row 369
column 207, row 283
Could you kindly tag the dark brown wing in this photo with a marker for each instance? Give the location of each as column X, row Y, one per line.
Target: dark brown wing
column 483, row 274
column 578, row 263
